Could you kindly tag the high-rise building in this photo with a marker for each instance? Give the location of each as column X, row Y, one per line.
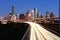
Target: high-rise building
column 38, row 15
column 28, row 15
column 32, row 14
column 12, row 9
column 35, row 12
column 21, row 16
column 47, row 15
column 27, row 12
column 9, row 16
column 52, row 14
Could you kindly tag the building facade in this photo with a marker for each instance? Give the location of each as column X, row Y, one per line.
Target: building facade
column 35, row 12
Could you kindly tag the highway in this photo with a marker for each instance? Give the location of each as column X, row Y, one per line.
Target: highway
column 25, row 31
column 36, row 32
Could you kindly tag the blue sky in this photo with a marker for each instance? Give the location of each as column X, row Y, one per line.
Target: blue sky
column 22, row 5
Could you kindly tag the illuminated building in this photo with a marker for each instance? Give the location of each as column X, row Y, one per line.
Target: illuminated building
column 32, row 14
column 28, row 15
column 13, row 18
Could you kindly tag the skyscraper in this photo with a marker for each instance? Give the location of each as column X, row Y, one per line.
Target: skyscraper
column 32, row 14
column 28, row 15
column 12, row 9
column 52, row 14
column 35, row 12
column 47, row 14
column 38, row 14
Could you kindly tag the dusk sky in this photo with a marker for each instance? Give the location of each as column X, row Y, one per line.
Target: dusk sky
column 22, row 5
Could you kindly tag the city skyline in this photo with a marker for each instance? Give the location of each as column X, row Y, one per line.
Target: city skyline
column 22, row 5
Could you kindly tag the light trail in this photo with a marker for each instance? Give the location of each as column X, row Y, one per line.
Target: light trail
column 39, row 33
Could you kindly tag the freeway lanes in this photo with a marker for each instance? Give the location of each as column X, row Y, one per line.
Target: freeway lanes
column 39, row 33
